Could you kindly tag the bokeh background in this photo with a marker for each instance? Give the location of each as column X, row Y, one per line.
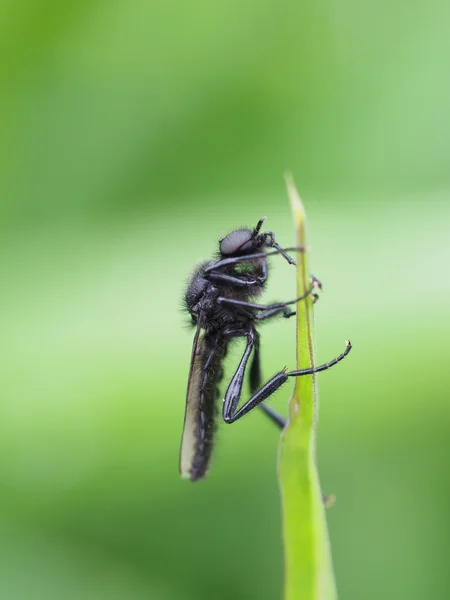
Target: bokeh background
column 134, row 135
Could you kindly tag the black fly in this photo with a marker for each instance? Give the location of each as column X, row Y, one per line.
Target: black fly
column 219, row 298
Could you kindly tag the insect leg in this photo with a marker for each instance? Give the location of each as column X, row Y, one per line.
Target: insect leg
column 273, row 415
column 272, row 312
column 213, row 274
column 255, row 383
column 223, row 262
column 234, row 390
column 324, row 367
column 230, row 279
column 255, row 367
column 267, row 307
column 282, row 307
column 274, row 244
column 233, row 393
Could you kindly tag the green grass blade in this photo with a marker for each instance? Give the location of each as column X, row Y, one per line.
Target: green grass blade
column 308, row 565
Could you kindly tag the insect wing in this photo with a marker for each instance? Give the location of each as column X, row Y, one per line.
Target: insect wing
column 190, row 429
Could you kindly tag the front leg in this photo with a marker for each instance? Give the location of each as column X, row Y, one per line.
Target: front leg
column 213, row 274
column 233, row 260
column 235, row 279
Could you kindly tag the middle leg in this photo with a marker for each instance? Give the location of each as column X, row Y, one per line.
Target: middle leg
column 270, row 307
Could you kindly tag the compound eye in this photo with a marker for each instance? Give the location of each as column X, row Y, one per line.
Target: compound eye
column 236, row 241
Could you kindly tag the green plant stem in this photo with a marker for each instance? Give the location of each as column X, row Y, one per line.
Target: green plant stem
column 308, row 565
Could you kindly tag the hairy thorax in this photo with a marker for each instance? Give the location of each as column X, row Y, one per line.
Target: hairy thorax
column 201, row 292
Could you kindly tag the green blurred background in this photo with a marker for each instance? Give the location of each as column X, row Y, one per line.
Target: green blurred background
column 134, row 135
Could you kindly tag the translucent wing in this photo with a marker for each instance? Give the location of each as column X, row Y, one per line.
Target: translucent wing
column 196, row 443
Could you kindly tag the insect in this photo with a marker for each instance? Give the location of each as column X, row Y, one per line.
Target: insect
column 220, row 298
